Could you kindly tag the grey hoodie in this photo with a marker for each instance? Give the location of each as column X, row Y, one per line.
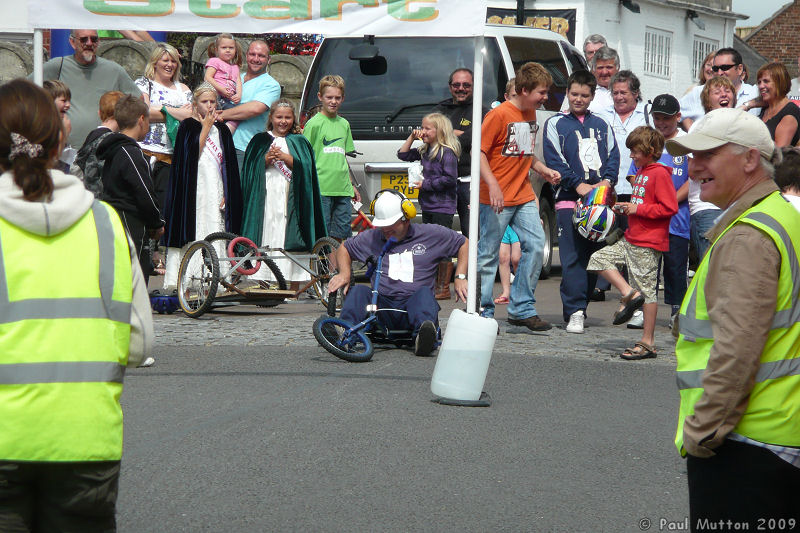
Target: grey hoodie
column 69, row 203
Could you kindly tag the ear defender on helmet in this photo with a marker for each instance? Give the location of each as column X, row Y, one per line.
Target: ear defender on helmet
column 406, row 205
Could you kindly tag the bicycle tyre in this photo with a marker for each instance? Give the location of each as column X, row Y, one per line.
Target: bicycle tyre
column 227, row 236
column 333, row 305
column 196, row 290
column 320, row 266
column 357, row 348
column 276, row 272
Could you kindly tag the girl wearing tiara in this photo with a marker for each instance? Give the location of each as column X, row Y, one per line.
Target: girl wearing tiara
column 282, row 205
column 204, row 195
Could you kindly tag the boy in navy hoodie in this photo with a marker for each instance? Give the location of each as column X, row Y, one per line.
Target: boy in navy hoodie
column 566, row 136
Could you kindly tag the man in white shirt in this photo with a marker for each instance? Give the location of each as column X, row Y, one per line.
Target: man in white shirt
column 604, row 64
column 727, row 62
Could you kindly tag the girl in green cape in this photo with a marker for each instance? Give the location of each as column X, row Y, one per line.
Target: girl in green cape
column 282, row 205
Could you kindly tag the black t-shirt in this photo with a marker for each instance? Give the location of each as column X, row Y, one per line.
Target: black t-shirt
column 790, row 109
column 461, row 117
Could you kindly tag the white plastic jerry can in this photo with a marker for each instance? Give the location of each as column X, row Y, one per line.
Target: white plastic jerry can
column 464, row 356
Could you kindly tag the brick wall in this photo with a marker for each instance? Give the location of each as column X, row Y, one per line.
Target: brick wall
column 777, row 41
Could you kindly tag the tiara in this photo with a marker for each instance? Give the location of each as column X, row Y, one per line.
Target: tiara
column 203, row 87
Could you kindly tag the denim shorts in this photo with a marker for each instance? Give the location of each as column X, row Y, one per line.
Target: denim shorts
column 338, row 212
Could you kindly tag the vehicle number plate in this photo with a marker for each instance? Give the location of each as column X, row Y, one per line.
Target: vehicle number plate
column 398, row 182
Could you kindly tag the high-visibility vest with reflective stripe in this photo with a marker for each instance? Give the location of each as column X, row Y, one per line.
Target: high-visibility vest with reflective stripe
column 773, row 409
column 65, row 304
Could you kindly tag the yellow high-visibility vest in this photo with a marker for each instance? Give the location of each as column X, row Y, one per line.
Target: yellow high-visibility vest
column 65, row 305
column 773, row 409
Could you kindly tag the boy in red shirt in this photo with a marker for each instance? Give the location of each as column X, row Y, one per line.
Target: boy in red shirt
column 653, row 202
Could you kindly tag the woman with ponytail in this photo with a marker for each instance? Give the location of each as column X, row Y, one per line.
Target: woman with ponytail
column 65, row 339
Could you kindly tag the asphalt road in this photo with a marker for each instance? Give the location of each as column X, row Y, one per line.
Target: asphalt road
column 245, row 424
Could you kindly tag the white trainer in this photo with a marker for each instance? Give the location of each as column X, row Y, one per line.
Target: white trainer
column 147, row 362
column 637, row 320
column 575, row 322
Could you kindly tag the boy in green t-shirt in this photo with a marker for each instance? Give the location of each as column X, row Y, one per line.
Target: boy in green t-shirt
column 329, row 135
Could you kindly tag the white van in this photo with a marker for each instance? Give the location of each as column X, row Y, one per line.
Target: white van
column 386, row 97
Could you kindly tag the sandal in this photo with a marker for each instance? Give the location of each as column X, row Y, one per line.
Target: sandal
column 640, row 350
column 501, row 300
column 630, row 303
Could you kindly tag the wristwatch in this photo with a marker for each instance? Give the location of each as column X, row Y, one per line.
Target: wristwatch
column 461, row 276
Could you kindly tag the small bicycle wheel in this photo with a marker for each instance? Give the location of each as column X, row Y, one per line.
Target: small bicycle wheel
column 319, row 264
column 332, row 335
column 198, row 277
column 243, row 246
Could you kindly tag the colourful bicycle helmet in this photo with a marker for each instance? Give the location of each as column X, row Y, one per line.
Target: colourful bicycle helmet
column 593, row 217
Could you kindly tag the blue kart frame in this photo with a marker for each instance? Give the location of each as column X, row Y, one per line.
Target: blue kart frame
column 354, row 343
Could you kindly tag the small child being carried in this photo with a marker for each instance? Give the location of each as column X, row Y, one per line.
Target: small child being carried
column 222, row 72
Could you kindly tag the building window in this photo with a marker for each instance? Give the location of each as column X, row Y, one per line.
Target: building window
column 657, row 52
column 702, row 47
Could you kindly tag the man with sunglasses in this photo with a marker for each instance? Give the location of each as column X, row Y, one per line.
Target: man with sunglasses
column 727, row 62
column 88, row 77
column 459, row 110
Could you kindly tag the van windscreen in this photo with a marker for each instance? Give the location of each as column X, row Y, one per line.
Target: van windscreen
column 387, row 100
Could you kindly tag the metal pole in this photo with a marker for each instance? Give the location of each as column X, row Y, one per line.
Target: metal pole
column 38, row 54
column 474, row 172
column 520, row 12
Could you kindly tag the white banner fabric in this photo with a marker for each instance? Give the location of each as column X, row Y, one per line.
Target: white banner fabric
column 329, row 17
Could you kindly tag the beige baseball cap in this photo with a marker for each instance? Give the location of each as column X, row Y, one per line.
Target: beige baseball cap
column 723, row 126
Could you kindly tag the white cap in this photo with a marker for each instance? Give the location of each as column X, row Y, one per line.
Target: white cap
column 388, row 209
column 723, row 126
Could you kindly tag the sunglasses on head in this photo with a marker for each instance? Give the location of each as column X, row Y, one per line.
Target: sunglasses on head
column 84, row 40
column 723, row 68
column 459, row 85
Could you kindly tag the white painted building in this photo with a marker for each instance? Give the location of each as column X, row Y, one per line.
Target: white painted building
column 660, row 44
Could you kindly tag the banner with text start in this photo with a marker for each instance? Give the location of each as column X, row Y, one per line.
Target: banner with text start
column 328, row 17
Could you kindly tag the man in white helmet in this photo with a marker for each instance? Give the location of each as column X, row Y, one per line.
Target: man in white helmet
column 408, row 270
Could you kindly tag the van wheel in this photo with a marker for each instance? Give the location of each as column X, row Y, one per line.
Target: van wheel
column 547, row 215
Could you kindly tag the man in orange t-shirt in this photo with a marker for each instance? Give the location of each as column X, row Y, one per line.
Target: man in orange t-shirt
column 507, row 197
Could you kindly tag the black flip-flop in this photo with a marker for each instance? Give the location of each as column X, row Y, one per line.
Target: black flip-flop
column 645, row 352
column 625, row 314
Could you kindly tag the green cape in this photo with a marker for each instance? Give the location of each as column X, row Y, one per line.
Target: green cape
column 305, row 223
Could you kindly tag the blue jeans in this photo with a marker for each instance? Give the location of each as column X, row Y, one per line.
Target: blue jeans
column 700, row 223
column 676, row 268
column 524, row 219
column 337, row 210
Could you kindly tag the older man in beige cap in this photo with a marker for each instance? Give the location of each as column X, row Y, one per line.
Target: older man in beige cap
column 738, row 345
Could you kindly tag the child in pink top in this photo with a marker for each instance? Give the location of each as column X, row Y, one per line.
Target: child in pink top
column 222, row 72
column 653, row 202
